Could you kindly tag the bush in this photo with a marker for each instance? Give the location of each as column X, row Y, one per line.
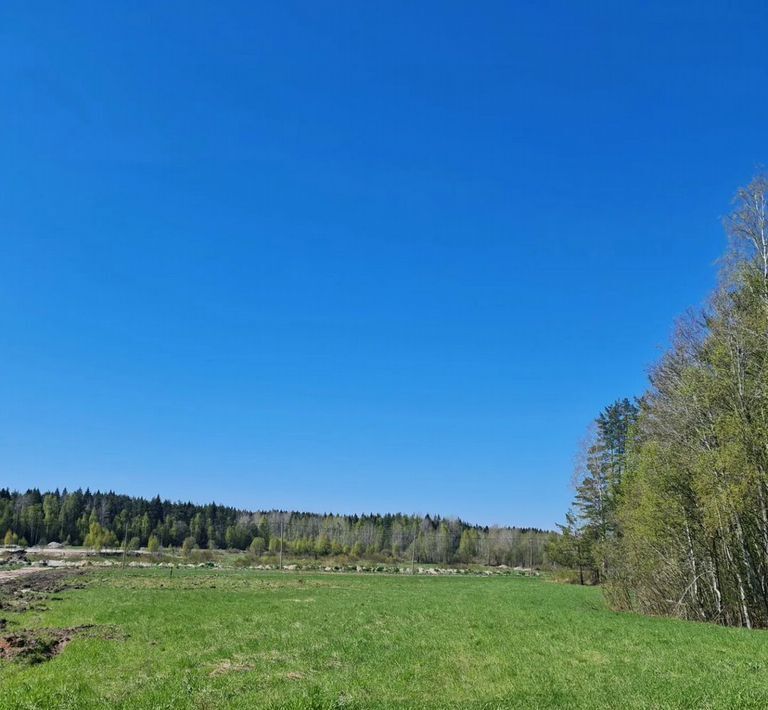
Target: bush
column 257, row 546
column 187, row 546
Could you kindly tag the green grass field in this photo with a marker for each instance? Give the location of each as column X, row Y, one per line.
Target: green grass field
column 213, row 639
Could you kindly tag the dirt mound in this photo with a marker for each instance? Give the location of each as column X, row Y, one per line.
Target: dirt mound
column 14, row 557
column 37, row 646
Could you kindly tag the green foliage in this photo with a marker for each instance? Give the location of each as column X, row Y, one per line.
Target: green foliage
column 188, row 545
column 237, row 537
column 589, row 539
column 695, row 505
column 323, row 545
column 68, row 516
column 469, row 545
column 572, row 549
column 673, row 504
column 99, row 538
column 257, row 546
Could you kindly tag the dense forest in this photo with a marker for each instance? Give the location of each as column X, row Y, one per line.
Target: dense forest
column 671, row 506
column 102, row 520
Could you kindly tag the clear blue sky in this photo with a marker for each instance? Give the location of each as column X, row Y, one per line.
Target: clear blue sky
column 354, row 256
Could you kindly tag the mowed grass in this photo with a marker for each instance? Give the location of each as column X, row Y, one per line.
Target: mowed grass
column 243, row 639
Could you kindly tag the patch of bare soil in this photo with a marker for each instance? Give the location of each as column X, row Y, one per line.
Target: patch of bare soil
column 37, row 646
column 225, row 667
column 26, row 588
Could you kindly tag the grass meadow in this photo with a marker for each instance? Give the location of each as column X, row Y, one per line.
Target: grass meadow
column 243, row 639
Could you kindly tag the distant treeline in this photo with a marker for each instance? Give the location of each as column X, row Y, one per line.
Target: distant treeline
column 112, row 520
column 671, row 506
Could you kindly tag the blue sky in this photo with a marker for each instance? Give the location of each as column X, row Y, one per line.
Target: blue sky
column 354, row 256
